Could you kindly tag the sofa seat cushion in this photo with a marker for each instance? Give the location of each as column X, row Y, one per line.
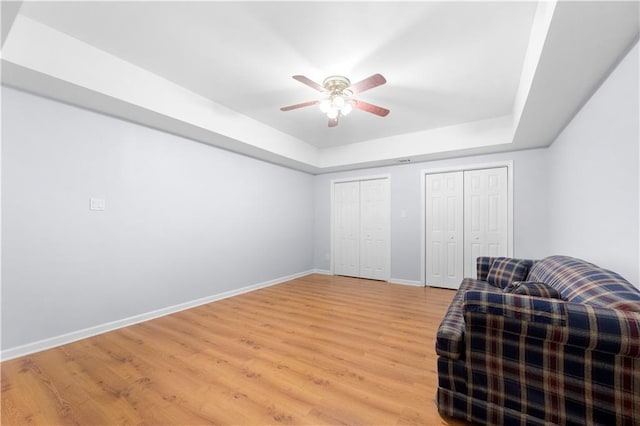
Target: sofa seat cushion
column 450, row 336
column 583, row 282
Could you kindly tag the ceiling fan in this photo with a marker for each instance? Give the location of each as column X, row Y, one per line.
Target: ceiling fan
column 338, row 96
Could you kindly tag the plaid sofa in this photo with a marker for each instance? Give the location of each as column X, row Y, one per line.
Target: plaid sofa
column 508, row 358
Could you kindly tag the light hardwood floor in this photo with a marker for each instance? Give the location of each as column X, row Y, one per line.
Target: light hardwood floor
column 313, row 351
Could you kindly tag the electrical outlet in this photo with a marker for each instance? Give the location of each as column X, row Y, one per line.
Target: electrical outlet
column 97, row 204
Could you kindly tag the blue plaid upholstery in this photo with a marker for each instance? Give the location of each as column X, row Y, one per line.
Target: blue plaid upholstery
column 583, row 282
column 537, row 361
column 450, row 335
column 504, row 271
column 483, row 264
column 533, row 288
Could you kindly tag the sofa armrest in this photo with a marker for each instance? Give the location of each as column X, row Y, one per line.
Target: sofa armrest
column 563, row 362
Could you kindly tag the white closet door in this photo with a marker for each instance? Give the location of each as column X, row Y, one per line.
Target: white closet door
column 444, row 229
column 361, row 246
column 485, row 219
column 374, row 229
column 346, row 223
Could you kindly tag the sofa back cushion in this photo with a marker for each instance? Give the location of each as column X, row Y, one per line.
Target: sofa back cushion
column 505, row 270
column 583, row 282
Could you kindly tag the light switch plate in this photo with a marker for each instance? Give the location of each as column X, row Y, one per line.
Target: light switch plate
column 97, row 204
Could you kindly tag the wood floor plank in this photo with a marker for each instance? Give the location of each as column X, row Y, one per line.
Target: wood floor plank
column 312, row 351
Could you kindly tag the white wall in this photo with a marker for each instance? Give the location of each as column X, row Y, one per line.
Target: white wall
column 530, row 207
column 183, row 220
column 593, row 168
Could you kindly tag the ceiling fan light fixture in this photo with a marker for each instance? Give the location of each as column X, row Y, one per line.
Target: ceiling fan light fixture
column 337, row 104
column 325, row 105
column 338, row 96
column 337, row 101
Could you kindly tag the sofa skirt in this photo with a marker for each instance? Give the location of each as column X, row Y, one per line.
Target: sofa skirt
column 454, row 404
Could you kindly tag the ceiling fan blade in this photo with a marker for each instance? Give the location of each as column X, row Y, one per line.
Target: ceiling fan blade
column 333, row 122
column 302, row 105
column 368, row 83
column 304, row 80
column 373, row 109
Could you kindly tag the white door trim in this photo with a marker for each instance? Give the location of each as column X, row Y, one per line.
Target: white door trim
column 331, row 230
column 461, row 168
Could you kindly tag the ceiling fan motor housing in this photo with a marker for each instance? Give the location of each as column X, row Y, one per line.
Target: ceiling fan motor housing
column 337, row 85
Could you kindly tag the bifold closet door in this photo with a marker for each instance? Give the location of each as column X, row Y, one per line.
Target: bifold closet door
column 485, row 219
column 466, row 216
column 444, row 229
column 374, row 229
column 346, row 228
column 361, row 229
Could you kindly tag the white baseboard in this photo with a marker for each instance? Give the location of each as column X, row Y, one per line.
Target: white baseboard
column 391, row 280
column 74, row 336
column 406, row 282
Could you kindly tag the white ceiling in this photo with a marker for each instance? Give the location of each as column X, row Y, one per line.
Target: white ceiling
column 462, row 77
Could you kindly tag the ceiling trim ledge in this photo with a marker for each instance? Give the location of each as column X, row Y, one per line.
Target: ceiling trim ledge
column 539, row 31
column 419, row 146
column 67, row 69
column 573, row 47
